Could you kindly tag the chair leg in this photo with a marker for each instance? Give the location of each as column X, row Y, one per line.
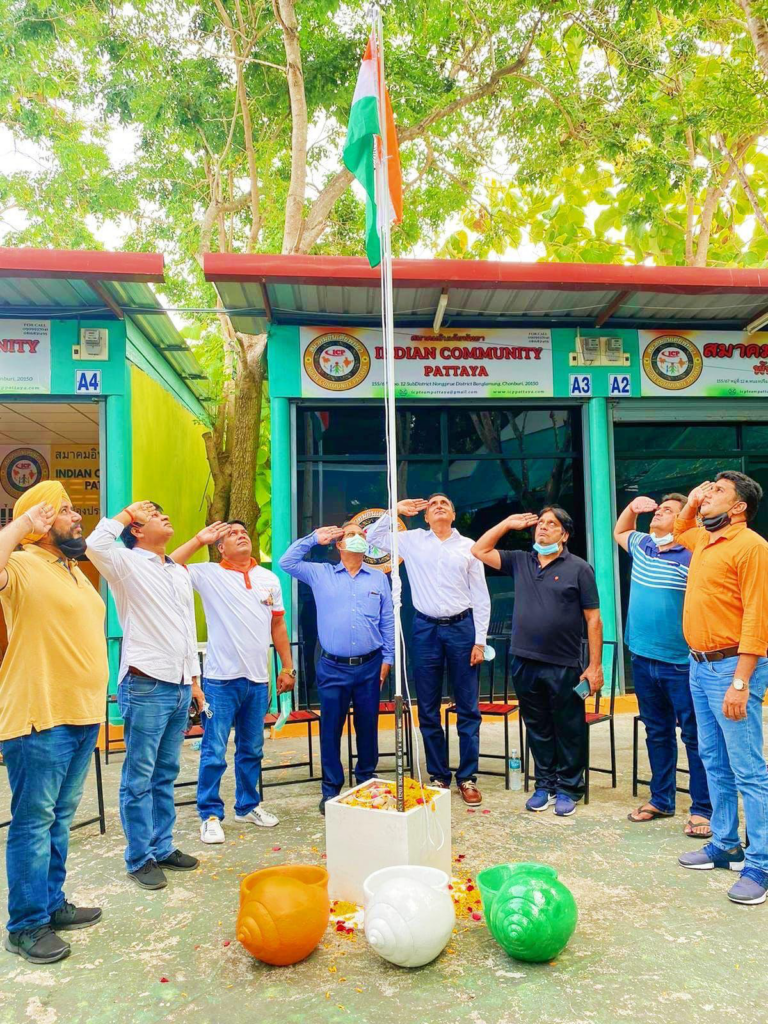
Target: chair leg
column 311, row 758
column 506, row 752
column 447, row 740
column 100, row 792
column 586, row 773
column 527, row 777
column 613, row 755
column 634, row 756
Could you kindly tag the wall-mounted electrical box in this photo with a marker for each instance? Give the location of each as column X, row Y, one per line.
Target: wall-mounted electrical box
column 599, row 351
column 94, row 344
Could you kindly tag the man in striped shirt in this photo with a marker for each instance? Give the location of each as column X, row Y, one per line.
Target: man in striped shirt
column 654, row 635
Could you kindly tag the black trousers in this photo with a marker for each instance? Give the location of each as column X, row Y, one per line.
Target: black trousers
column 555, row 724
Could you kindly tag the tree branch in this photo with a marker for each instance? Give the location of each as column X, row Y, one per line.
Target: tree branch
column 754, row 202
column 758, row 29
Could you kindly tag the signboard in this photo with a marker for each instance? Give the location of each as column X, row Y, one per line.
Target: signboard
column 77, row 467
column 25, row 357
column 87, row 382
column 349, row 363
column 580, row 385
column 376, row 558
column 715, row 364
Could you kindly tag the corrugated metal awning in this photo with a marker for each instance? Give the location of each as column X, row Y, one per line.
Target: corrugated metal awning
column 325, row 291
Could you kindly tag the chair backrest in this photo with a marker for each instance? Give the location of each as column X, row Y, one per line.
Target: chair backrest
column 300, row 696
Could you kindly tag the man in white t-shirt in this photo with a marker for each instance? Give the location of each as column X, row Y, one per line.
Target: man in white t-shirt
column 244, row 611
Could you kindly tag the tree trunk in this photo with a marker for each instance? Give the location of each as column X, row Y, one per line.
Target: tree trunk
column 758, row 29
column 244, row 432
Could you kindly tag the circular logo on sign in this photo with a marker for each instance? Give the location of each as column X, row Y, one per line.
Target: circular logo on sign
column 376, row 558
column 672, row 362
column 21, row 469
column 337, row 361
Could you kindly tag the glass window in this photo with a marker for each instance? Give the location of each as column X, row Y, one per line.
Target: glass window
column 513, row 432
column 341, row 430
column 755, row 438
column 661, row 437
column 418, row 432
column 659, row 476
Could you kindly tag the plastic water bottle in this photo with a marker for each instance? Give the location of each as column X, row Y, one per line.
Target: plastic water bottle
column 515, row 772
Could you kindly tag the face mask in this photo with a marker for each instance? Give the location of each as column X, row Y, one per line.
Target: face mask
column 715, row 523
column 661, row 541
column 356, row 544
column 546, row 549
column 72, row 548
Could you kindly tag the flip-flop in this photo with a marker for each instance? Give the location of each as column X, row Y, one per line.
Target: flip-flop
column 650, row 811
column 691, row 825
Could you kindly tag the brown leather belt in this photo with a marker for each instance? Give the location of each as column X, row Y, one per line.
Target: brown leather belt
column 138, row 672
column 726, row 652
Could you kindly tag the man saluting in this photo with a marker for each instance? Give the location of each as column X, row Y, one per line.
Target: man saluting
column 453, row 609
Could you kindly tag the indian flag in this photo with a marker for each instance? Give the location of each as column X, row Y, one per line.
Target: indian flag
column 364, row 146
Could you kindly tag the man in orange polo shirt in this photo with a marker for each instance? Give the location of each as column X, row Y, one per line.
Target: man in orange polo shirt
column 725, row 623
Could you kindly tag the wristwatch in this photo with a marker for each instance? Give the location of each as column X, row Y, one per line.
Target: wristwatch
column 740, row 684
column 289, row 672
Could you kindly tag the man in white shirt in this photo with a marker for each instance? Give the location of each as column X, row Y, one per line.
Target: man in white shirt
column 453, row 609
column 244, row 610
column 159, row 673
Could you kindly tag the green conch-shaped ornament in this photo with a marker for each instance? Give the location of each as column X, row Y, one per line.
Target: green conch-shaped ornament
column 529, row 912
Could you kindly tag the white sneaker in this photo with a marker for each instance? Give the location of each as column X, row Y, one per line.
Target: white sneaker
column 211, row 831
column 259, row 816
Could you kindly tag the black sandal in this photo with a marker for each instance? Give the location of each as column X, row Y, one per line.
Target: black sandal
column 691, row 825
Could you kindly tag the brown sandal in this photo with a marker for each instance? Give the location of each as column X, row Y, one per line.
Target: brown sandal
column 650, row 811
column 691, row 826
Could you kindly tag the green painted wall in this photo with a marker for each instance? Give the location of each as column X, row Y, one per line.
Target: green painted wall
column 65, row 334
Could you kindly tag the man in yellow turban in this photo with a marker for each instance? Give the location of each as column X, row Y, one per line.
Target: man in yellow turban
column 52, row 689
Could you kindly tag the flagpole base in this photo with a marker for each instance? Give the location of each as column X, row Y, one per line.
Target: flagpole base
column 399, row 758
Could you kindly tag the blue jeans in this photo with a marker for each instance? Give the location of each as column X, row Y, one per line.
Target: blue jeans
column 241, row 703
column 46, row 773
column 155, row 715
column 732, row 753
column 432, row 648
column 663, row 693
column 337, row 686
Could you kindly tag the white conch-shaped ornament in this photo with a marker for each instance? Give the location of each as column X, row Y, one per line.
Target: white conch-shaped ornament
column 409, row 914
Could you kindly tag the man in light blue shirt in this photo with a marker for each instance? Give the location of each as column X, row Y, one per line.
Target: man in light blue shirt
column 356, row 627
column 660, row 668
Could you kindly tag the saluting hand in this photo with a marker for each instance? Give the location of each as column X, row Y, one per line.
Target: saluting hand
column 411, row 506
column 214, row 532
column 141, row 512
column 643, row 504
column 523, row 521
column 328, row 534
column 696, row 496
column 41, row 517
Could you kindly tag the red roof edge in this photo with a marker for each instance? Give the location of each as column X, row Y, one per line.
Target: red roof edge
column 82, row 264
column 347, row 271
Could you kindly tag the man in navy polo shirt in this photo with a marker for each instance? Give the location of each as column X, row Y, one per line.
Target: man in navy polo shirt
column 654, row 636
column 555, row 593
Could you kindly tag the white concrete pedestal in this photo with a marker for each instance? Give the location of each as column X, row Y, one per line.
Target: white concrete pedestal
column 359, row 841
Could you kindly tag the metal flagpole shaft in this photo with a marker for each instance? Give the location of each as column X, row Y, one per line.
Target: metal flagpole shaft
column 387, row 320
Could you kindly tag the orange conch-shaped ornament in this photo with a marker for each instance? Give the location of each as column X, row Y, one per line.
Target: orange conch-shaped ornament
column 284, row 912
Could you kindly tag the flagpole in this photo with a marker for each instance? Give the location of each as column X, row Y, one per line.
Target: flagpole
column 387, row 323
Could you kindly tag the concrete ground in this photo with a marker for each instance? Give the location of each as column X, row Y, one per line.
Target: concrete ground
column 654, row 943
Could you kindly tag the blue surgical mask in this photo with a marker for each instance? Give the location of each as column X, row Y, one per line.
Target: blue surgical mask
column 546, row 549
column 356, row 544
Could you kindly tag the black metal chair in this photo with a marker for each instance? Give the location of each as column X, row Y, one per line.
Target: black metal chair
column 100, row 817
column 493, row 708
column 636, row 780
column 593, row 717
column 386, row 707
column 301, row 715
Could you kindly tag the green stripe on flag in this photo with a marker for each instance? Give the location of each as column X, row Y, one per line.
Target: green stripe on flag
column 358, row 159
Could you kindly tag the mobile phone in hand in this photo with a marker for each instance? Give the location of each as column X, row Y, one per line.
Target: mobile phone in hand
column 582, row 689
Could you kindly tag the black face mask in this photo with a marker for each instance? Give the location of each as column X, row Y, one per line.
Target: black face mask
column 73, row 547
column 714, row 523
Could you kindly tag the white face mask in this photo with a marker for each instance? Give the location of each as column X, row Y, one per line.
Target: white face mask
column 661, row 541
